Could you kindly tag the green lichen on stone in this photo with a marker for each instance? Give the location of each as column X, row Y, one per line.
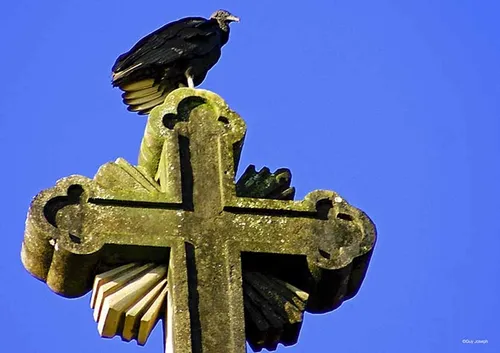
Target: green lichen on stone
column 173, row 114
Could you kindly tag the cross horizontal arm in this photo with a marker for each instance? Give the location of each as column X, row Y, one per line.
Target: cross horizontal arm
column 83, row 227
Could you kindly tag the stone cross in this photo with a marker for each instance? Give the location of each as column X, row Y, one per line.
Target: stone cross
column 239, row 255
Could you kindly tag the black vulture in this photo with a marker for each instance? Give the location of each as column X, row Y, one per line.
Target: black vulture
column 175, row 55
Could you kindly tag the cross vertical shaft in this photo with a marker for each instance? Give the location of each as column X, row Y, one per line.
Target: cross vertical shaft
column 212, row 313
column 204, row 145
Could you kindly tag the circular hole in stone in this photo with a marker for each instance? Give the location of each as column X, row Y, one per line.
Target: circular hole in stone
column 224, row 120
column 345, row 216
column 75, row 239
column 325, row 254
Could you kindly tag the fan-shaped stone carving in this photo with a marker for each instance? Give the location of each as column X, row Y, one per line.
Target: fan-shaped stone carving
column 273, row 311
column 266, row 185
column 128, row 300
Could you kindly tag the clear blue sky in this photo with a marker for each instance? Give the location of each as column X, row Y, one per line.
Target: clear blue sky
column 393, row 104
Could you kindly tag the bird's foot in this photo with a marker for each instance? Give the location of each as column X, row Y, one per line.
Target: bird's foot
column 189, row 78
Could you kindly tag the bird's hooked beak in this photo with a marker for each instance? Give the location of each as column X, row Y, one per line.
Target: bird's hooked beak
column 232, row 18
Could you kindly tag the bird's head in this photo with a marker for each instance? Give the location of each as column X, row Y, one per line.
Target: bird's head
column 224, row 17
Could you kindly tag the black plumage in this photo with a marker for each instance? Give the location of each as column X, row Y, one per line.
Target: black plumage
column 175, row 55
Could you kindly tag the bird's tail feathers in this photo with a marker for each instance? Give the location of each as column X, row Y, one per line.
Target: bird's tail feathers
column 143, row 96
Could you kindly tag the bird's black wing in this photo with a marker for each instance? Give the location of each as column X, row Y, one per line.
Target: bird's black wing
column 178, row 40
column 188, row 43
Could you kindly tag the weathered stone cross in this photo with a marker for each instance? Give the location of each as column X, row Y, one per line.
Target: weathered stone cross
column 231, row 255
